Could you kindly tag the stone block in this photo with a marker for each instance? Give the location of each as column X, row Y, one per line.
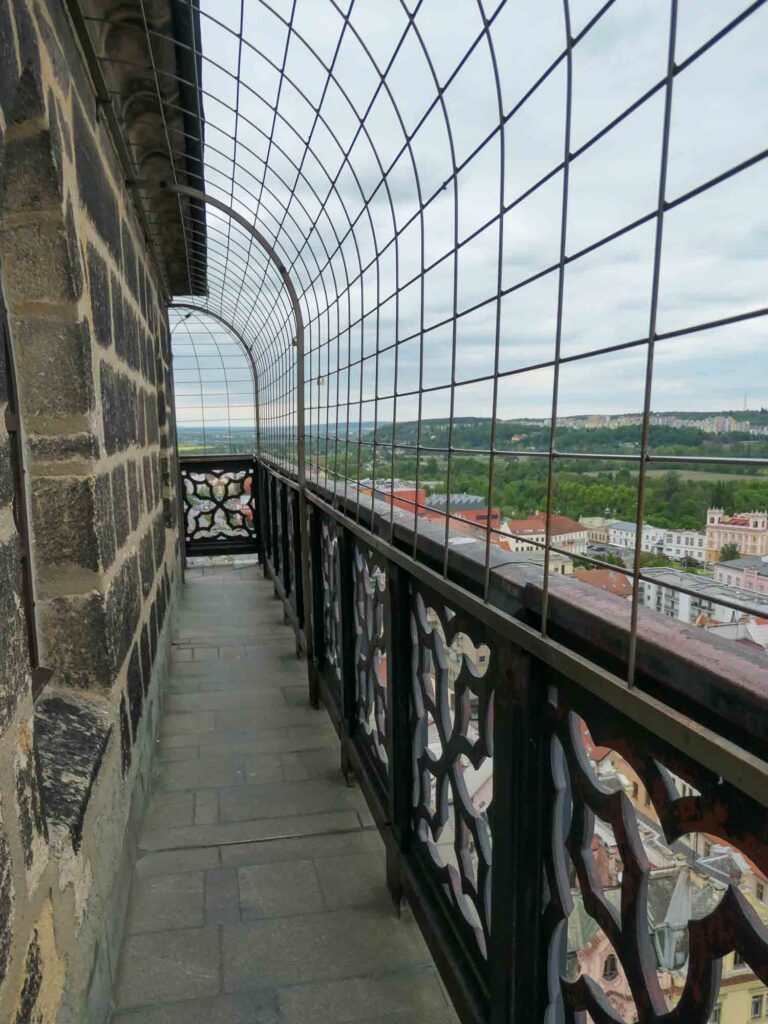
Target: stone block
column 118, row 405
column 30, row 179
column 64, row 519
column 125, row 738
column 37, row 263
column 153, row 430
column 105, row 521
column 71, row 736
column 53, row 363
column 76, row 644
column 81, row 445
column 169, row 966
column 146, row 658
column 147, row 563
column 134, row 502
column 101, row 306
column 28, row 800
column 173, row 862
column 149, row 493
column 135, row 690
column 93, row 181
column 123, row 608
column 7, row 904
column 234, row 1009
column 158, row 542
column 120, row 506
column 14, row 653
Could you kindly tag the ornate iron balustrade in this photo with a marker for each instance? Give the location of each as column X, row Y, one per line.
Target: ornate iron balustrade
column 481, row 746
column 218, row 507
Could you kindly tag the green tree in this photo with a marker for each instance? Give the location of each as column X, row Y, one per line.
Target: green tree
column 728, row 552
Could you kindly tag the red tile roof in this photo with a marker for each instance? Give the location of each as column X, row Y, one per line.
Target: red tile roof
column 607, row 579
column 536, row 524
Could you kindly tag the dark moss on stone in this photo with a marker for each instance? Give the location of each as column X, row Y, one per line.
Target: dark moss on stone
column 145, row 657
column 73, row 250
column 123, row 608
column 30, row 814
column 125, row 738
column 149, row 487
column 147, row 564
column 135, row 690
column 26, row 1012
column 133, row 494
column 158, row 532
column 129, row 260
column 94, row 184
column 101, row 307
column 118, row 404
column 120, row 506
column 105, row 525
column 153, row 432
column 6, row 897
column 8, row 66
column 71, row 736
column 153, row 630
column 14, row 657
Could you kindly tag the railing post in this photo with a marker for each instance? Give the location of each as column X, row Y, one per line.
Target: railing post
column 315, row 598
column 398, row 646
column 348, row 667
column 517, row 973
column 298, row 569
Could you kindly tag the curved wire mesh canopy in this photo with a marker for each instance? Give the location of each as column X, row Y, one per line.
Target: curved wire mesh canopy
column 507, row 223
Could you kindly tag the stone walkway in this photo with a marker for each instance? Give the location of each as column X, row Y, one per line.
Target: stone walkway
column 259, row 895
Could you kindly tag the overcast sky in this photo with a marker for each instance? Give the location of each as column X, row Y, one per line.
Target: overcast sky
column 714, row 246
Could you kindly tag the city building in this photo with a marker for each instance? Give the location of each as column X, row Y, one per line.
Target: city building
column 700, row 603
column 530, row 534
column 748, row 531
column 749, row 573
column 400, row 493
column 610, row 580
column 685, row 544
column 471, row 507
column 597, row 528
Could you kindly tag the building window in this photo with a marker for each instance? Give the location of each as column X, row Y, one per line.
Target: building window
column 707, row 848
column 760, row 891
column 715, row 1018
column 610, row 968
column 756, row 1010
column 738, row 960
column 634, row 790
column 647, row 799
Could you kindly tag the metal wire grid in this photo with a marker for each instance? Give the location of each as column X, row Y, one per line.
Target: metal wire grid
column 214, row 387
column 324, row 126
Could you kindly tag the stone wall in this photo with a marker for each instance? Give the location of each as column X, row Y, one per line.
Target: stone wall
column 89, row 344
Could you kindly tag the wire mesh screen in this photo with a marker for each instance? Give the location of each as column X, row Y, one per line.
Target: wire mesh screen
column 214, row 386
column 529, row 244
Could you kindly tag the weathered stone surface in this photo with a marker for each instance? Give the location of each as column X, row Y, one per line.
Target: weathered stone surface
column 123, row 608
column 14, row 657
column 153, row 431
column 158, row 533
column 71, row 737
column 118, row 405
column 125, row 738
column 101, row 306
column 73, row 251
column 8, row 63
column 31, row 181
column 45, row 448
column 53, row 366
column 147, row 562
column 7, row 476
column 148, row 490
column 134, row 498
column 135, row 690
column 146, row 658
column 28, row 801
column 129, row 260
column 105, row 528
column 76, row 640
column 33, row 982
column 7, row 904
column 120, row 507
column 94, row 185
column 37, row 263
column 63, row 516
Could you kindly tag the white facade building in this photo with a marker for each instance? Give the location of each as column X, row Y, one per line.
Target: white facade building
column 700, row 599
column 679, row 544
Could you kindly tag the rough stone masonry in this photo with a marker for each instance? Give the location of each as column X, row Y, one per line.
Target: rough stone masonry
column 88, row 575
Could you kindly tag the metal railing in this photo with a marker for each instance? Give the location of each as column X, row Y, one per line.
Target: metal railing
column 480, row 746
column 218, row 509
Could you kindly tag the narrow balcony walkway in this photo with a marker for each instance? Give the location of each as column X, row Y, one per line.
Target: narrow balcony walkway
column 259, row 895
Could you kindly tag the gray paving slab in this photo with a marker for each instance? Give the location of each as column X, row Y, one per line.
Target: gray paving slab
column 258, row 895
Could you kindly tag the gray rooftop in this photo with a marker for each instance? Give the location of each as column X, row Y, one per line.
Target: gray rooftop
column 459, row 502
